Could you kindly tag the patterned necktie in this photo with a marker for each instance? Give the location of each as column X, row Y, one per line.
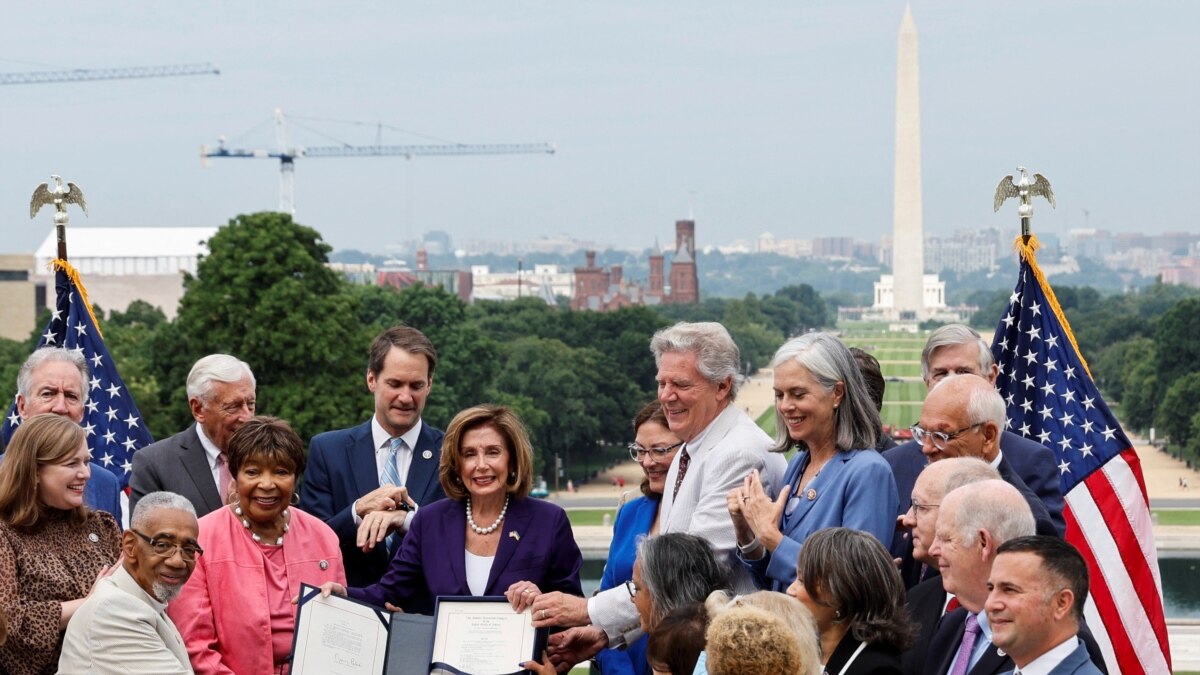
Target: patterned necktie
column 684, row 460
column 390, row 475
column 224, row 478
column 963, row 662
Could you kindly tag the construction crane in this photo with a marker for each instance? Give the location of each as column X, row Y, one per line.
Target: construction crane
column 287, row 154
column 88, row 74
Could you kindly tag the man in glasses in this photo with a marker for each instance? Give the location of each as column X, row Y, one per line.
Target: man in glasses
column 955, row 349
column 123, row 627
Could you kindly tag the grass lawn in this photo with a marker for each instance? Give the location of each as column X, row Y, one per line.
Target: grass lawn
column 590, row 516
column 1177, row 516
column 766, row 421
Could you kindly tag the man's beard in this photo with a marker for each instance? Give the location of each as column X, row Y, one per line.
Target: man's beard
column 165, row 593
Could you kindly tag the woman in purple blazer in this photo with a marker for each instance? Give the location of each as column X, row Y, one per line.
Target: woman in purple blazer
column 488, row 537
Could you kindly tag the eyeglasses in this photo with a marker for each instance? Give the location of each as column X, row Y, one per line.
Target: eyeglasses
column 919, row 508
column 166, row 549
column 632, row 588
column 638, row 453
column 940, row 439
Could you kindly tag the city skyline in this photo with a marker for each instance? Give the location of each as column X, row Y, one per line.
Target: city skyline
column 751, row 120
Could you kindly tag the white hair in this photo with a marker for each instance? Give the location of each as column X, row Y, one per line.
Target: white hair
column 40, row 356
column 216, row 368
column 717, row 355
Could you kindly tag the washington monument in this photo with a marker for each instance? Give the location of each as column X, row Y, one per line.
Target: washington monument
column 908, row 240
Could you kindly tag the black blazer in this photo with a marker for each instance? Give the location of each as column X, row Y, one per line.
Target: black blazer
column 873, row 660
column 925, row 603
column 944, row 646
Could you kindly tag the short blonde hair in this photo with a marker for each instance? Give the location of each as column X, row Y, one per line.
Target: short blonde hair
column 520, row 451
column 751, row 641
column 789, row 610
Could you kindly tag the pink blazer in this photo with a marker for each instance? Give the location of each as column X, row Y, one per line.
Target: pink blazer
column 223, row 613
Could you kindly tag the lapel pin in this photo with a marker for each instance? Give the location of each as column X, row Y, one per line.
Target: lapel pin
column 94, row 538
column 514, row 535
column 324, row 564
column 428, row 454
column 812, row 494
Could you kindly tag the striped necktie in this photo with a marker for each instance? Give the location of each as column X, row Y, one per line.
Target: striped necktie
column 390, row 475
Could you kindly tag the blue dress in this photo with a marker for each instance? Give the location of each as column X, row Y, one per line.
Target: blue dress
column 633, row 523
column 854, row 489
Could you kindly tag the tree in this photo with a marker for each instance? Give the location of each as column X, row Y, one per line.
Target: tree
column 1178, row 348
column 128, row 336
column 263, row 294
column 1174, row 414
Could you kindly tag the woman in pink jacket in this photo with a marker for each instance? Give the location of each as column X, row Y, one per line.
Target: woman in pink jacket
column 235, row 613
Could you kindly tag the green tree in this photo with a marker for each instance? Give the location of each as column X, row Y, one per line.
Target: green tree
column 129, row 336
column 1178, row 346
column 1174, row 415
column 263, row 294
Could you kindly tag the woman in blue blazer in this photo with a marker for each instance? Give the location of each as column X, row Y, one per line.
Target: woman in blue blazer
column 836, row 478
column 488, row 537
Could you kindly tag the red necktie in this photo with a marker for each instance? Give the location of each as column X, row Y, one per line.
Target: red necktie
column 684, row 460
column 951, row 606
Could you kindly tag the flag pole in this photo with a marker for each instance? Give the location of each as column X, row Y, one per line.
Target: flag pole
column 59, row 197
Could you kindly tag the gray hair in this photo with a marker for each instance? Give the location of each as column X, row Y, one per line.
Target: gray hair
column 856, row 420
column 956, row 334
column 155, row 501
column 40, row 356
column 985, row 404
column 216, row 368
column 995, row 506
column 678, row 569
column 717, row 355
column 965, row 471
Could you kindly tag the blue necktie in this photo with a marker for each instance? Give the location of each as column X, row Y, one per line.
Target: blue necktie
column 390, row 475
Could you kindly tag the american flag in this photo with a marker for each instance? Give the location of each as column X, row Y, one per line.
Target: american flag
column 1052, row 399
column 114, row 424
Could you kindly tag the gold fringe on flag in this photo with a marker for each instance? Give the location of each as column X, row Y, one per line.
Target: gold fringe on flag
column 73, row 275
column 1026, row 250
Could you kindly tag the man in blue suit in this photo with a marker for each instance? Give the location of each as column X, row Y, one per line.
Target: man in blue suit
column 366, row 482
column 54, row 380
column 1035, row 606
column 955, row 349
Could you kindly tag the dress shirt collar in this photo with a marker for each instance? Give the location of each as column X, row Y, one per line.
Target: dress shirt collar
column 210, row 449
column 999, row 457
column 382, row 439
column 1048, row 661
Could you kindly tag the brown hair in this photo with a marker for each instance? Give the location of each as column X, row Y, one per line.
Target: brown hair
column 678, row 639
column 504, row 421
column 408, row 339
column 268, row 439
column 868, row 365
column 40, row 440
column 651, row 412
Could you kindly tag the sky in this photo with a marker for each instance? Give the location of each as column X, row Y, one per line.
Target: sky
column 750, row 117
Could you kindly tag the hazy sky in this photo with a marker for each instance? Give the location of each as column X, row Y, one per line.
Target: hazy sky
column 756, row 116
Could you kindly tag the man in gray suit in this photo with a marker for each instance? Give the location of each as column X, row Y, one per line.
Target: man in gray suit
column 123, row 628
column 220, row 390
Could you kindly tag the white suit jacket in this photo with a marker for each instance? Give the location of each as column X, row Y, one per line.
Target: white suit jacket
column 121, row 630
column 730, row 448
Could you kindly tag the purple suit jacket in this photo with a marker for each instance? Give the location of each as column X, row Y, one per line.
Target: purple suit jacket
column 536, row 545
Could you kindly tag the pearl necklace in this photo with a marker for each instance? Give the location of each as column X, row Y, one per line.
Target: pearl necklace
column 254, row 535
column 491, row 528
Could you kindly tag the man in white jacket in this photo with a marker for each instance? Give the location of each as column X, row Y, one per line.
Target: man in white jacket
column 698, row 379
column 123, row 627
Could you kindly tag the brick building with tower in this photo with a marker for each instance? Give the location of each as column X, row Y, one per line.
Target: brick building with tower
column 600, row 289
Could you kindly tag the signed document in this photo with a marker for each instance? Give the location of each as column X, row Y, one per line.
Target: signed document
column 482, row 636
column 338, row 636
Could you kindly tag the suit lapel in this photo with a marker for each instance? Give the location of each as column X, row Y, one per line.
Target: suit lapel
column 195, row 462
column 516, row 520
column 454, row 529
column 991, row 662
column 361, row 455
column 713, row 435
column 422, row 470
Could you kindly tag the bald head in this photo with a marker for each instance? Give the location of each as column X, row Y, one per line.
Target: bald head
column 932, row 484
column 965, row 414
column 972, row 522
